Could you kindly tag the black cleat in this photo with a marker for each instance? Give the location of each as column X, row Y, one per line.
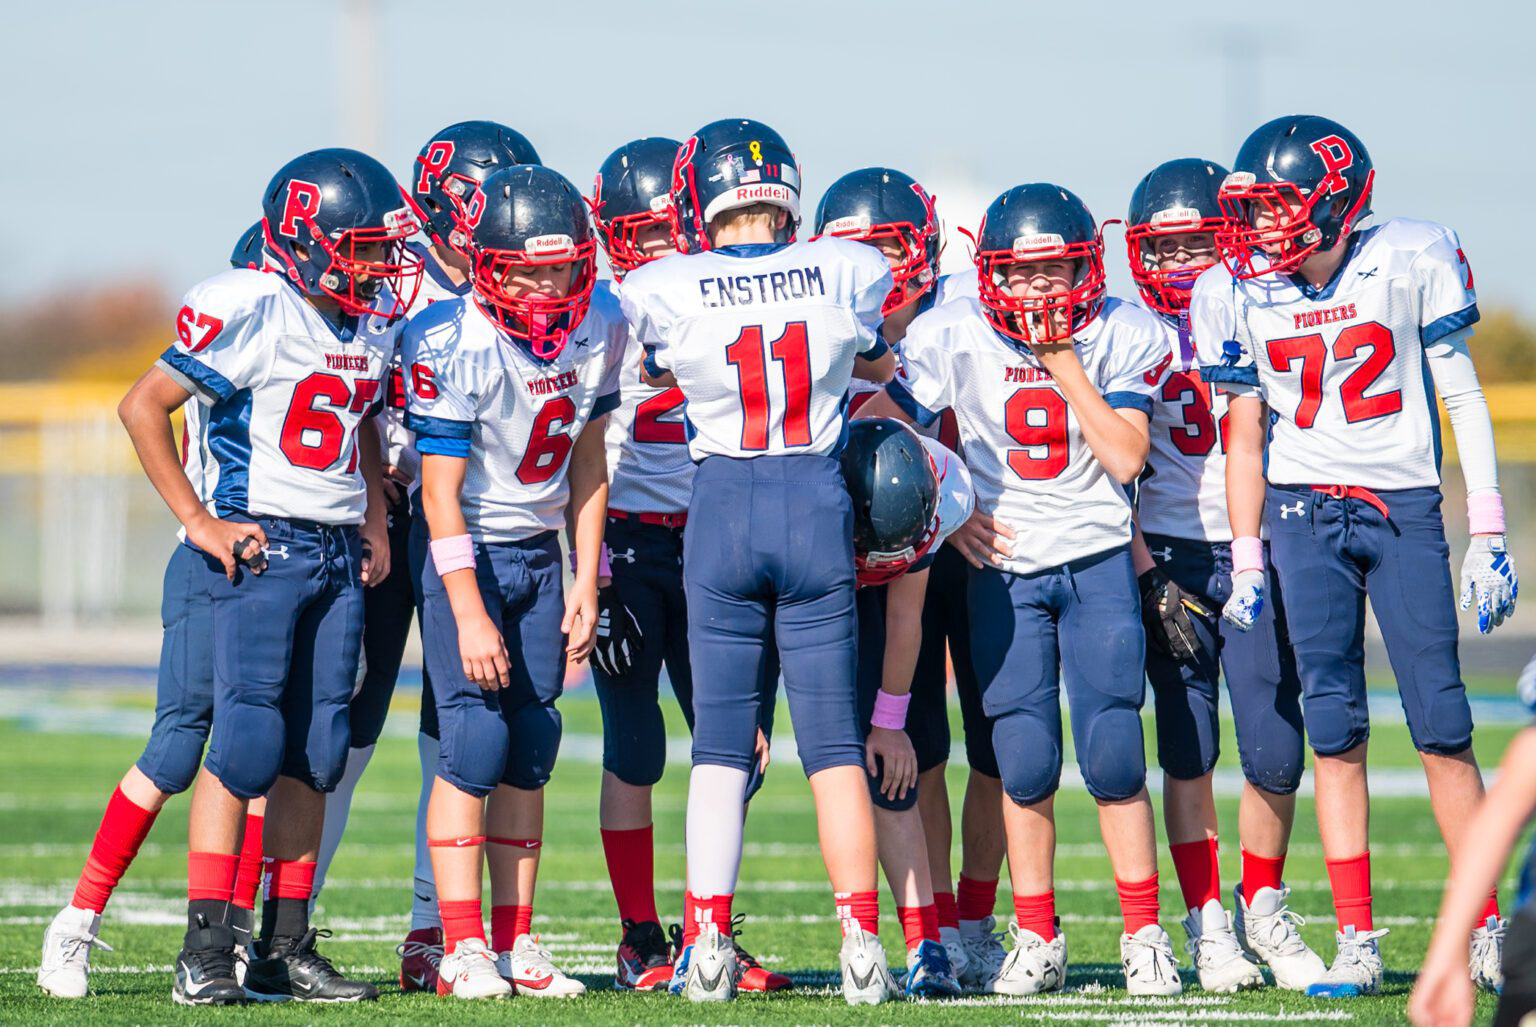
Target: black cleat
column 293, row 970
column 205, row 968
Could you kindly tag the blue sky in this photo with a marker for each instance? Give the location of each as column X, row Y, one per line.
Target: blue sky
column 140, row 136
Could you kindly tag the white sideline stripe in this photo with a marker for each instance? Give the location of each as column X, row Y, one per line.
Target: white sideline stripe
column 1179, row 1016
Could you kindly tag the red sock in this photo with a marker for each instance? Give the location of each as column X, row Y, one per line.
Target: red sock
column 1036, row 913
column 858, row 909
column 1138, row 903
column 975, row 900
column 1261, row 872
column 1198, row 871
column 461, row 921
column 291, row 879
column 1491, row 909
column 631, row 857
column 508, row 923
column 248, row 880
column 1351, row 880
column 918, row 924
column 122, row 831
column 944, row 902
column 211, row 875
column 699, row 910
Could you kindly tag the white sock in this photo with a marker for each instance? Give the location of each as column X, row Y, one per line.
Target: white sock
column 716, row 808
column 424, row 890
column 338, row 806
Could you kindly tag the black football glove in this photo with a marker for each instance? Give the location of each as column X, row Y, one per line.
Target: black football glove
column 618, row 634
column 1165, row 610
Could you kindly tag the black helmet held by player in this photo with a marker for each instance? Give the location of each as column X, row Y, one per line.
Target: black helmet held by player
column 726, row 165
column 336, row 222
column 895, row 492
column 1178, row 197
column 453, row 163
column 1300, row 184
column 872, row 204
column 251, row 250
column 523, row 217
column 1039, row 222
column 633, row 191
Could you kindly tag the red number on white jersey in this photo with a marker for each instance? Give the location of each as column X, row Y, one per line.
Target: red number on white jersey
column 1313, row 354
column 1037, row 419
column 549, row 441
column 791, row 350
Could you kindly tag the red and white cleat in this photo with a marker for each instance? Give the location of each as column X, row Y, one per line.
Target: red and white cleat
column 421, row 955
column 644, row 960
column 531, row 971
column 754, row 976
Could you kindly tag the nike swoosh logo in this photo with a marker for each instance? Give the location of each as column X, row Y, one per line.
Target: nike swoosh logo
column 420, row 981
column 461, row 842
column 537, row 984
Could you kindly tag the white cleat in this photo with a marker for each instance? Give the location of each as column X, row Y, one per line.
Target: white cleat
column 469, row 971
column 867, row 980
column 1218, row 957
column 1356, row 970
column 954, row 944
column 984, row 954
column 65, row 970
column 1487, row 962
column 713, row 973
column 1150, row 967
column 1034, row 965
column 1267, row 931
column 533, row 974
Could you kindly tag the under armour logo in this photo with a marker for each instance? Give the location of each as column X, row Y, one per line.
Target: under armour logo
column 1369, row 273
column 628, row 556
column 1164, row 554
column 1286, row 511
column 278, row 551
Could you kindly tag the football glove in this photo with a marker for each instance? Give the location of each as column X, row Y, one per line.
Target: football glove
column 618, row 634
column 1247, row 601
column 1488, row 579
column 1165, row 611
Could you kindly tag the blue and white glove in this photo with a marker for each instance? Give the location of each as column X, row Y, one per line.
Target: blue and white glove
column 1488, row 578
column 1247, row 601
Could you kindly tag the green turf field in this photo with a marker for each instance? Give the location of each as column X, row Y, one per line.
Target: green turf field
column 54, row 779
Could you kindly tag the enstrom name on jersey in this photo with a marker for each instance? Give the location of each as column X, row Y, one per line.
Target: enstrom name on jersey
column 770, row 287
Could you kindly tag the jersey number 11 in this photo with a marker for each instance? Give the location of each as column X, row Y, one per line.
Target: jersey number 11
column 792, row 351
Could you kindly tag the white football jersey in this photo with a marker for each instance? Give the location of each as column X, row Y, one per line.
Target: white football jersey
column 1031, row 468
column 480, row 395
column 399, row 443
column 1343, row 368
column 957, row 496
column 861, row 389
column 649, row 468
column 285, row 392
column 762, row 340
column 1183, row 492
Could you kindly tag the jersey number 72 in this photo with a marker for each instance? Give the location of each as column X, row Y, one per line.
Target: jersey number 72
column 1313, row 354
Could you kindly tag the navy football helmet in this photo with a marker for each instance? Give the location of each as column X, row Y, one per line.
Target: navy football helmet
column 895, row 492
column 1307, row 180
column 1177, row 197
column 251, row 250
column 633, row 190
column 522, row 217
column 729, row 164
column 453, row 163
column 872, row 204
column 1039, row 222
column 324, row 207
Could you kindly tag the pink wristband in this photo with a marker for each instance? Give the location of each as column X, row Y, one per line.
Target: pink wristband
column 604, row 567
column 454, row 553
column 1247, row 554
column 1485, row 513
column 890, row 710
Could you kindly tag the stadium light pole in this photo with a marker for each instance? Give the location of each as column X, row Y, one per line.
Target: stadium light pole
column 359, row 75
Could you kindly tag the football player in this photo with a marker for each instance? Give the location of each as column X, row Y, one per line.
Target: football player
column 1345, row 332
column 168, row 765
column 1170, row 239
column 508, row 391
column 909, row 494
column 642, row 610
column 448, row 168
column 887, row 209
column 1051, row 383
column 762, row 335
column 288, row 365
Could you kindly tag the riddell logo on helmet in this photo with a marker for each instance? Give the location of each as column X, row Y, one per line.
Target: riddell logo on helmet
column 302, row 201
column 852, row 223
column 1336, row 156
column 1238, row 181
column 1041, row 244
column 550, row 246
column 1175, row 216
column 766, row 192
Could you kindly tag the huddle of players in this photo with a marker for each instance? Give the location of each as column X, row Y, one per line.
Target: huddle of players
column 534, row 397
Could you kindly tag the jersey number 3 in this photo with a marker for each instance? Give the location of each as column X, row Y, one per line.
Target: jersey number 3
column 1313, row 354
column 792, row 351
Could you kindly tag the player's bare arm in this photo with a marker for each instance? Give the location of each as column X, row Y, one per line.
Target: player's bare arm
column 882, row 405
column 376, row 518
column 1245, row 465
column 589, row 500
column 146, row 413
column 881, row 369
column 481, row 646
column 1119, row 438
column 903, row 638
